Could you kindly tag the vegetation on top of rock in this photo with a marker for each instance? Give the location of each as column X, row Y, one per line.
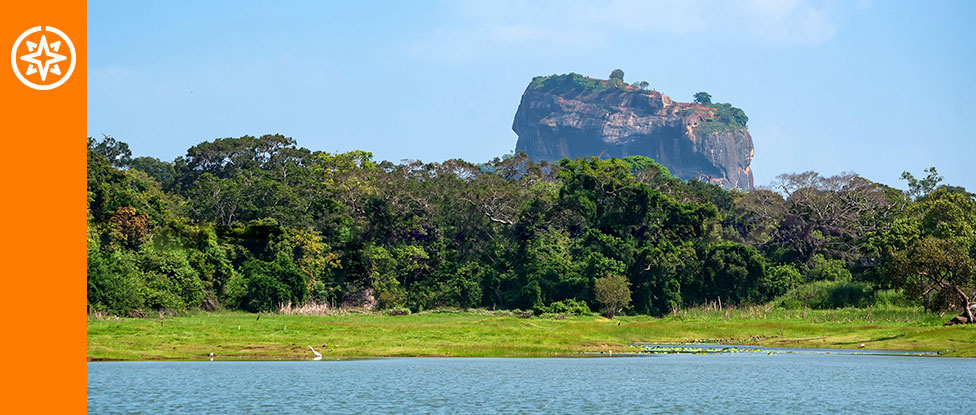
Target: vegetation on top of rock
column 703, row 98
column 572, row 80
column 569, row 81
column 725, row 118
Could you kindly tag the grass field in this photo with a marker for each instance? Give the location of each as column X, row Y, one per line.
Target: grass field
column 244, row 336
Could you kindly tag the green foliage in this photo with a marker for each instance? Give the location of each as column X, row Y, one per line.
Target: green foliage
column 642, row 164
column 116, row 152
column 735, row 274
column 784, row 277
column 930, row 251
column 397, row 311
column 703, row 98
column 822, row 295
column 254, row 223
column 271, row 284
column 828, row 270
column 570, row 306
column 921, row 187
column 162, row 172
column 567, row 82
column 170, row 282
column 617, row 74
column 725, row 118
column 114, row 283
column 613, row 291
column 464, row 285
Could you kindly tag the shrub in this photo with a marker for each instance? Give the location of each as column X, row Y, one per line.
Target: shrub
column 828, row 270
column 397, row 311
column 734, row 272
column 823, row 295
column 613, row 292
column 171, row 283
column 892, row 298
column 271, row 284
column 264, row 293
column 570, row 306
column 784, row 278
column 114, row 283
column 568, row 82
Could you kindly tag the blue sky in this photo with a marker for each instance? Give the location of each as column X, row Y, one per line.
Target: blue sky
column 875, row 87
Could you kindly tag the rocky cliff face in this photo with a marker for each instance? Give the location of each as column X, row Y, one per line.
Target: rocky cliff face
column 574, row 116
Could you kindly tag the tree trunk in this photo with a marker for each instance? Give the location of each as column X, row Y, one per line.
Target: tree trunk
column 966, row 310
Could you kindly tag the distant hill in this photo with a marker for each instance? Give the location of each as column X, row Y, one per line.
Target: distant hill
column 576, row 116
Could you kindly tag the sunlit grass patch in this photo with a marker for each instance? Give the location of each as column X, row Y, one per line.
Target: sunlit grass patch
column 247, row 336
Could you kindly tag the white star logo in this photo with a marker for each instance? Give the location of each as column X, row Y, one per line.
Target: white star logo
column 40, row 64
column 45, row 57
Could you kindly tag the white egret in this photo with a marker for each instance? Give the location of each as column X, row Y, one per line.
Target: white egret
column 211, row 356
column 318, row 356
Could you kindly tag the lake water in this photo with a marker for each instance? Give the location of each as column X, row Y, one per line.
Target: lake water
column 749, row 383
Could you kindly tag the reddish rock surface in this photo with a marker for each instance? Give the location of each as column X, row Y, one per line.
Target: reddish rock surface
column 563, row 119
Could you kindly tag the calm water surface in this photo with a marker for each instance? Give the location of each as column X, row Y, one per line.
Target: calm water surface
column 748, row 383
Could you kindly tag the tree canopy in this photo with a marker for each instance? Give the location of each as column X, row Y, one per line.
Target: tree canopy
column 256, row 223
column 703, row 98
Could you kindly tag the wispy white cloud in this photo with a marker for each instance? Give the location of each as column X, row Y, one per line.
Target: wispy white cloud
column 482, row 27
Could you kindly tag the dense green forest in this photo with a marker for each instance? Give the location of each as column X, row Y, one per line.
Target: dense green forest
column 255, row 223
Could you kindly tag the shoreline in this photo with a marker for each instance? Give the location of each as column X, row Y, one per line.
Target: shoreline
column 272, row 337
column 626, row 354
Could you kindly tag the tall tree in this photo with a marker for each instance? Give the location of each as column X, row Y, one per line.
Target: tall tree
column 918, row 188
column 116, row 152
column 613, row 291
column 831, row 215
column 930, row 250
column 703, row 98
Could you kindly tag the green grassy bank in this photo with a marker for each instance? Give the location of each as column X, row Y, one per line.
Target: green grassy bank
column 243, row 336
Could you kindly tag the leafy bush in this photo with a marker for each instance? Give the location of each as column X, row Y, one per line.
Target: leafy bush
column 784, row 278
column 613, row 291
column 569, row 81
column 171, row 283
column 892, row 298
column 114, row 283
column 570, row 306
column 822, row 295
column 264, row 293
column 271, row 284
column 397, row 311
column 824, row 269
column 734, row 272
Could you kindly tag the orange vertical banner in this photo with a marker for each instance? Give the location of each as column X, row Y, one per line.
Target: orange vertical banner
column 42, row 90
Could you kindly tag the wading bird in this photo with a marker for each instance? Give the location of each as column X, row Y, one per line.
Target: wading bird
column 318, row 356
